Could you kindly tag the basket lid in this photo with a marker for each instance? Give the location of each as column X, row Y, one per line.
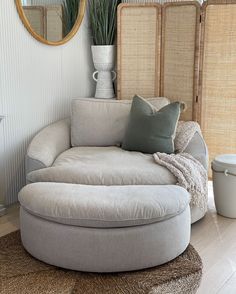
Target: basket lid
column 228, row 160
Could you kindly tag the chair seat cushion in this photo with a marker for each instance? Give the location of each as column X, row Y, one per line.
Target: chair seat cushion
column 103, row 206
column 104, row 166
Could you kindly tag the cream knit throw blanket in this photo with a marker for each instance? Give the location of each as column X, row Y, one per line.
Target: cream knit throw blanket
column 189, row 172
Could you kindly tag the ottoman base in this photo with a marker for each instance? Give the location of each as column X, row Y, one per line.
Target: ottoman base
column 105, row 249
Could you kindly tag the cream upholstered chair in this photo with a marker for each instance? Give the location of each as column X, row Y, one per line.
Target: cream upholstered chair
column 96, row 206
column 85, row 149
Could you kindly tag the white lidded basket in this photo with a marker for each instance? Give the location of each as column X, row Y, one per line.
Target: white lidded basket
column 224, row 184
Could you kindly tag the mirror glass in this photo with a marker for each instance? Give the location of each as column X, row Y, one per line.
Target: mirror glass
column 51, row 20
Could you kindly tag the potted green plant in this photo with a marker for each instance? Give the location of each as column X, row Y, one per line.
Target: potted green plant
column 103, row 26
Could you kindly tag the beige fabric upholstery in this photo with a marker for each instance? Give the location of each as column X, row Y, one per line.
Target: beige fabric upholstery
column 104, row 229
column 196, row 214
column 98, row 122
column 107, row 166
column 50, row 157
column 105, row 249
column 198, row 149
column 47, row 145
column 103, row 206
column 104, row 166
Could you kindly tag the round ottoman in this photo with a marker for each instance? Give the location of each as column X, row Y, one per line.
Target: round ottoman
column 104, row 228
column 224, row 184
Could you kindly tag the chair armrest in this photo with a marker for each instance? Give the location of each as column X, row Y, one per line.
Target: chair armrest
column 47, row 145
column 198, row 149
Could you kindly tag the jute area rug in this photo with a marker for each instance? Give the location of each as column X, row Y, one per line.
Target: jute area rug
column 21, row 273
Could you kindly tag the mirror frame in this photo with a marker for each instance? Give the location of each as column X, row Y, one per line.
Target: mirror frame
column 72, row 33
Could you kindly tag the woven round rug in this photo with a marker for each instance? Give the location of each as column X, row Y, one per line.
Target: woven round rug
column 21, row 273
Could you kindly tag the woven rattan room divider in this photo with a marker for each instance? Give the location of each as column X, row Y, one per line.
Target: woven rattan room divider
column 217, row 87
column 157, row 51
column 180, row 53
column 183, row 51
column 139, row 50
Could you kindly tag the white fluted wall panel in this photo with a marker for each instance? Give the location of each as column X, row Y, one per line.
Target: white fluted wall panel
column 37, row 83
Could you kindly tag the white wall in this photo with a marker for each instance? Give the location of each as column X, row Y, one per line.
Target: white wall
column 37, row 83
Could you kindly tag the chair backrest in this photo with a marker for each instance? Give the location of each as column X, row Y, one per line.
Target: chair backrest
column 102, row 122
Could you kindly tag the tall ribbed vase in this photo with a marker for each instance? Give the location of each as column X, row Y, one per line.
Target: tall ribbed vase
column 104, row 63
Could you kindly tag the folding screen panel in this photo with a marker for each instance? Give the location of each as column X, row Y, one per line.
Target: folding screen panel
column 218, row 76
column 139, row 41
column 35, row 15
column 180, row 54
column 54, row 22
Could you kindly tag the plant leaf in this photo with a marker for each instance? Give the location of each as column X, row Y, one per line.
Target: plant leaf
column 103, row 21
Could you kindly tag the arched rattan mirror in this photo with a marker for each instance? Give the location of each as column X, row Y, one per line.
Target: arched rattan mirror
column 52, row 22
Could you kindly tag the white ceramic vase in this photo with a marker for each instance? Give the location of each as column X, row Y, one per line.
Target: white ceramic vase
column 104, row 63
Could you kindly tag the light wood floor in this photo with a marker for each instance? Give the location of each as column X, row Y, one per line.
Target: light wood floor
column 214, row 237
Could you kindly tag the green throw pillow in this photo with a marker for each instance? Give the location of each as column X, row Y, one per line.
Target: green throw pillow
column 149, row 130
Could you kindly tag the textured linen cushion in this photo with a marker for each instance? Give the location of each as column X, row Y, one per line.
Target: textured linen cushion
column 102, row 122
column 102, row 206
column 150, row 130
column 104, row 166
